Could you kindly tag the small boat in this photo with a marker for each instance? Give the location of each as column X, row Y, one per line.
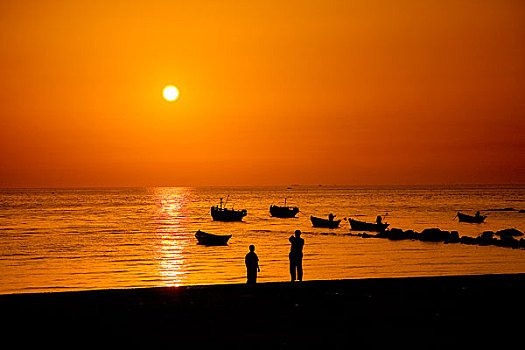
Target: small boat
column 324, row 223
column 367, row 226
column 220, row 213
column 283, row 212
column 476, row 219
column 205, row 238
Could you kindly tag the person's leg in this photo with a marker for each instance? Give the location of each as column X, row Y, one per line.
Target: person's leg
column 292, row 269
column 251, row 277
column 300, row 269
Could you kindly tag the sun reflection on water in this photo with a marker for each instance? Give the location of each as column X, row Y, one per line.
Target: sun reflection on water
column 172, row 238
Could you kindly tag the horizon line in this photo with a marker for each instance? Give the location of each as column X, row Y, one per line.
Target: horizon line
column 240, row 186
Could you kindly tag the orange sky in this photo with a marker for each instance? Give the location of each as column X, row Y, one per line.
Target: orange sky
column 271, row 92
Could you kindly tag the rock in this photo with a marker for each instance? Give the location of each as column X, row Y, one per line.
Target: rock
column 509, row 232
column 487, row 238
column 509, row 242
column 468, row 240
column 383, row 234
column 395, row 234
column 487, row 235
column 453, row 237
column 410, row 234
column 434, row 235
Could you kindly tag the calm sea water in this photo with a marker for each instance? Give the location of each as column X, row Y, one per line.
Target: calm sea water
column 81, row 239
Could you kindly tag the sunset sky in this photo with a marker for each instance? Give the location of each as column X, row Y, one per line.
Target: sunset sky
column 271, row 92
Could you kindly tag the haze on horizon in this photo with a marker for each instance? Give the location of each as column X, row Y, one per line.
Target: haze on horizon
column 271, row 92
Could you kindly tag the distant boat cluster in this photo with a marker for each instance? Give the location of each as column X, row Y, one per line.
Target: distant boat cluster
column 221, row 213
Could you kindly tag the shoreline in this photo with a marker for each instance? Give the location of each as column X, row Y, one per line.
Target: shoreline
column 272, row 314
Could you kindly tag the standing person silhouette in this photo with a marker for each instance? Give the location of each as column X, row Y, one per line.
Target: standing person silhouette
column 252, row 265
column 296, row 256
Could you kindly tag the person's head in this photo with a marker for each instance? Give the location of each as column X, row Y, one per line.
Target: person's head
column 252, row 248
column 297, row 233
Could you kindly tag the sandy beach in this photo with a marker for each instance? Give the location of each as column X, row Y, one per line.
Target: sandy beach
column 429, row 312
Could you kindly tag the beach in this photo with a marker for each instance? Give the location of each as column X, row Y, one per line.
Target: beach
column 418, row 312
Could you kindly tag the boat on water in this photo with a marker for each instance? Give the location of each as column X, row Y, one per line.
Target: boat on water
column 221, row 213
column 205, row 238
column 357, row 225
column 324, row 223
column 284, row 211
column 473, row 219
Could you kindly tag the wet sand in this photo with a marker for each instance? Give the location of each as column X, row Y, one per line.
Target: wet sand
column 422, row 312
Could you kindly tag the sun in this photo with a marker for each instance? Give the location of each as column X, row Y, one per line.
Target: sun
column 170, row 93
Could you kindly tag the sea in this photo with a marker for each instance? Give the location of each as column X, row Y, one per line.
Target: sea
column 74, row 239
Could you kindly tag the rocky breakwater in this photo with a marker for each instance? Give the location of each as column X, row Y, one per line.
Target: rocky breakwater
column 507, row 237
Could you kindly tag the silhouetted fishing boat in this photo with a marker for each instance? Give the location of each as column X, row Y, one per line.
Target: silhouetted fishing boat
column 357, row 225
column 324, row 223
column 220, row 213
column 283, row 212
column 476, row 219
column 205, row 238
